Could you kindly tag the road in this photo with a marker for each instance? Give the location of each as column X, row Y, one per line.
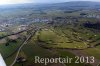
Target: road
column 25, row 42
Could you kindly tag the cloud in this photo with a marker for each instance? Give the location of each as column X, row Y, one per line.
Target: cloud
column 14, row 1
column 48, row 1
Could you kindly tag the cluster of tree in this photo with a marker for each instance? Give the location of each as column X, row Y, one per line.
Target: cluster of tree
column 10, row 41
column 92, row 25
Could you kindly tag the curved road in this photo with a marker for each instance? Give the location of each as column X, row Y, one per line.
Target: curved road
column 25, row 42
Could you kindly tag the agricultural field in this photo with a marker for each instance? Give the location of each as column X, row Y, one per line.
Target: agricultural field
column 50, row 31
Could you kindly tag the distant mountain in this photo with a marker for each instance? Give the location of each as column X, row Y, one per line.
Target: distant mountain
column 70, row 5
column 79, row 4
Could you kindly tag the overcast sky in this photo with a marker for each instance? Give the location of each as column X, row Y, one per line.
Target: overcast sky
column 38, row 1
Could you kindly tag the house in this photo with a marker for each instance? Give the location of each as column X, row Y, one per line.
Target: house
column 22, row 27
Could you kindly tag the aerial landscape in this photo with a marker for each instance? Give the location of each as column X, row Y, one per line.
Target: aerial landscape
column 45, row 34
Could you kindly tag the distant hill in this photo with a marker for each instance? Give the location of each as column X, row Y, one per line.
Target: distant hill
column 65, row 5
column 79, row 4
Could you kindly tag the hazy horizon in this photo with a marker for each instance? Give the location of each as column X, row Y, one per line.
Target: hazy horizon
column 4, row 2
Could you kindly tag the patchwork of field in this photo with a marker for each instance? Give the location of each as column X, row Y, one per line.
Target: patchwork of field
column 51, row 42
column 60, row 32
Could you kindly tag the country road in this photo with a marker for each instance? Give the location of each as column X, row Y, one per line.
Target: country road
column 25, row 42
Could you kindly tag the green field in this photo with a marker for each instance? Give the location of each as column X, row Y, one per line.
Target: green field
column 33, row 49
column 59, row 41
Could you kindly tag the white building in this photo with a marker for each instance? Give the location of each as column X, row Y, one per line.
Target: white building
column 22, row 27
column 2, row 62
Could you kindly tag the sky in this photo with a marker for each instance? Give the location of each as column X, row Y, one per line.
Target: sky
column 2, row 2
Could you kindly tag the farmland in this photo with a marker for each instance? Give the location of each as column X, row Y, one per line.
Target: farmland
column 28, row 30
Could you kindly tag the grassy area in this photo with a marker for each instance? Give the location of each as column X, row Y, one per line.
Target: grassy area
column 93, row 52
column 10, row 59
column 59, row 41
column 64, row 53
column 8, row 52
column 3, row 34
column 32, row 49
